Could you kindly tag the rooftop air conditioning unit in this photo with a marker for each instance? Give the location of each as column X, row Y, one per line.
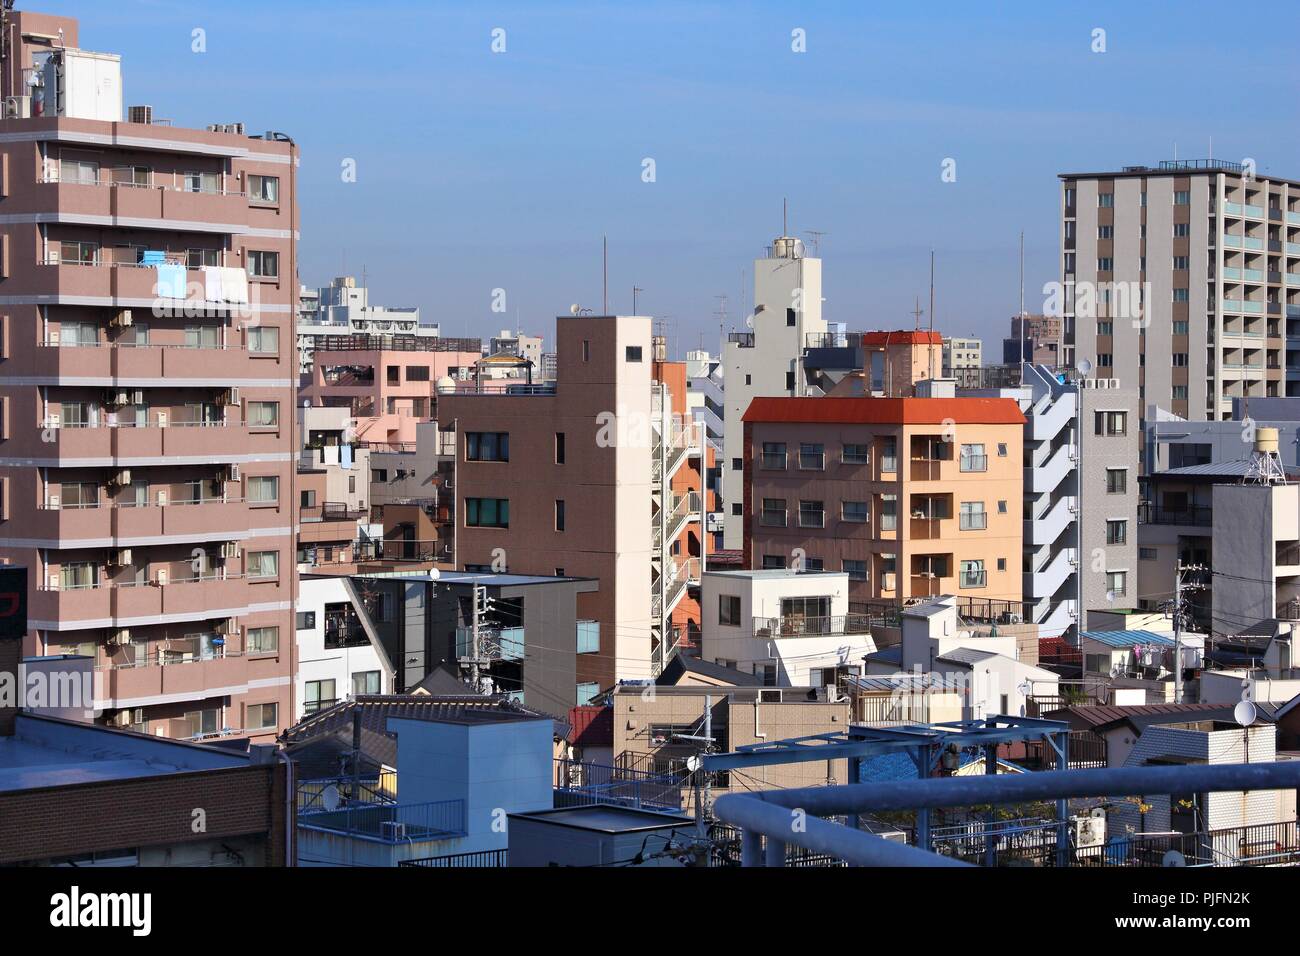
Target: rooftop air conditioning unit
column 392, row 830
column 18, row 107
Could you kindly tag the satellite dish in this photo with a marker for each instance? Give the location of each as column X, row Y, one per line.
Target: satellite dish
column 1173, row 858
column 1098, row 813
column 693, row 763
column 330, row 797
column 574, row 309
column 1110, row 597
column 1244, row 713
column 1084, row 366
column 749, row 321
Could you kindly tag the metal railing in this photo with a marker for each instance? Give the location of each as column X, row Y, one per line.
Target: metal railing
column 814, row 626
column 313, row 794
column 477, row 859
column 394, row 822
column 1196, row 515
column 580, row 784
column 366, row 342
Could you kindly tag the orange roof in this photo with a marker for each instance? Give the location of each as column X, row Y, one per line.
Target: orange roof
column 887, row 411
column 902, row 337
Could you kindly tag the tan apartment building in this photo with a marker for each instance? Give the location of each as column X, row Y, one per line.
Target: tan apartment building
column 913, row 497
column 147, row 375
column 1184, row 278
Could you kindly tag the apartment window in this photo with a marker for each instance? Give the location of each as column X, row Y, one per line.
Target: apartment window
column 773, row 561
column 263, row 564
column 77, row 575
column 79, row 494
column 729, row 610
column 812, row 514
column 973, row 516
column 1147, row 554
column 263, row 265
column 1182, row 197
column 393, row 375
column 1002, row 507
column 857, row 570
column 82, row 172
column 79, row 253
column 379, row 475
column 1105, row 359
column 774, row 454
column 559, row 448
column 263, row 414
column 855, row 454
column 634, row 353
column 814, row 564
column 1180, row 295
column 417, row 373
column 487, row 446
column 1069, row 196
column 262, row 716
column 366, row 682
column 1116, row 583
column 773, row 515
column 1105, row 200
column 199, row 258
column 264, row 340
column 854, row 511
column 1110, row 424
column 202, row 337
column 487, row 512
column 1105, row 328
column 1182, row 230
column 889, row 512
column 737, row 464
column 738, row 509
column 889, row 454
column 263, row 188
column 789, row 381
column 1105, row 264
column 1002, row 564
column 1002, row 449
column 1180, row 327
column 1069, row 263
column 1105, row 232
column 263, row 489
column 790, row 317
column 1116, row 481
column 1180, row 360
column 586, row 693
column 973, row 458
column 202, row 183
column 204, row 722
column 1179, row 392
column 1181, row 263
column 78, row 333
column 588, row 637
column 1116, row 532
column 263, row 640
column 973, row 574
column 586, row 350
column 559, row 514
column 812, row 457
column 305, row 620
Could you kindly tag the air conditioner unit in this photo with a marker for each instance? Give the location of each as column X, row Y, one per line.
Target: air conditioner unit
column 137, row 397
column 52, row 582
column 162, row 498
column 230, row 549
column 119, row 398
column 122, row 318
column 122, row 557
column 160, row 577
column 18, row 107
column 392, row 830
column 232, row 473
column 52, row 502
column 122, row 477
column 139, row 114
column 120, row 636
column 122, row 718
column 52, row 420
column 162, row 419
column 227, row 626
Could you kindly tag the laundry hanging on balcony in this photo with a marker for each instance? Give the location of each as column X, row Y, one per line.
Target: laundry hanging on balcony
column 171, row 280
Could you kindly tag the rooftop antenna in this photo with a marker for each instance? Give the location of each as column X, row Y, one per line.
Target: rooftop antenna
column 604, row 271
column 816, row 236
column 635, row 290
column 721, row 313
column 917, row 313
column 1024, row 343
column 785, row 217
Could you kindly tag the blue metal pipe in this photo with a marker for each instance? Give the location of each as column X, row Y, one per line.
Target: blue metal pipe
column 857, row 847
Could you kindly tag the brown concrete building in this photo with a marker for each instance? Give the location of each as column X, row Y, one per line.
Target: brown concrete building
column 912, row 497
column 147, row 377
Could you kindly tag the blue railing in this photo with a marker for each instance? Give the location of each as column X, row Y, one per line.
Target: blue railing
column 394, row 823
column 581, row 784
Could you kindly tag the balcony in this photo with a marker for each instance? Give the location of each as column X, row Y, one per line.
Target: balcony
column 124, row 605
column 165, row 200
column 1200, row 516
column 801, row 626
column 206, row 520
column 200, row 442
column 155, row 677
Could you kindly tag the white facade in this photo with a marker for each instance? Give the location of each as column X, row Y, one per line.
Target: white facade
column 781, row 624
column 343, row 308
column 318, row 664
column 765, row 359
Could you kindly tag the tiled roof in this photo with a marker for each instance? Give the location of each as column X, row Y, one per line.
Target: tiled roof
column 886, row 411
column 1141, row 716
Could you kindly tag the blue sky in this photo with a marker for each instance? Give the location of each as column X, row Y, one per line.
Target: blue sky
column 478, row 171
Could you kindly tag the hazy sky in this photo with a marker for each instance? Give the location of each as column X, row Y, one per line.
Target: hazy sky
column 479, row 170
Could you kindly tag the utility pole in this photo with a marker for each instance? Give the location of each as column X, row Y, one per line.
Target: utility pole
column 1178, row 624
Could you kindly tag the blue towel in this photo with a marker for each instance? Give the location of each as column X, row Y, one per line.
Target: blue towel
column 345, row 456
column 153, row 257
column 171, row 280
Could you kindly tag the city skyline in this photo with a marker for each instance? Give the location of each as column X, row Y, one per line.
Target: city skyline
column 530, row 155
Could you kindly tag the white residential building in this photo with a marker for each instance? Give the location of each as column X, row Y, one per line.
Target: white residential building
column 343, row 308
column 339, row 651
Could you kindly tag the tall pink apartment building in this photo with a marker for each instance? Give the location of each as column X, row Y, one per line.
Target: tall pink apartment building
column 147, row 377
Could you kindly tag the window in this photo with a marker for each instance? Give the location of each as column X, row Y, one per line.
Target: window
column 417, row 373
column 856, row 454
column 1105, row 359
column 634, row 353
column 889, row 512
column 855, row 511
column 1116, row 532
column 79, row 253
column 264, row 340
column 1105, row 232
column 1105, row 328
column 83, row 172
column 202, row 337
column 1147, row 554
column 1002, row 506
column 1116, row 583
column 559, row 448
column 204, row 722
column 202, row 183
column 1180, row 295
column 1069, row 263
column 264, row 640
column 773, row 561
column 973, row 574
column 737, row 464
column 1002, row 564
column 1180, row 360
column 366, row 682
column 738, row 509
column 889, row 454
column 263, row 265
column 973, row 458
column 586, row 693
column 973, row 517
column 813, row 564
column 1002, row 449
column 1181, row 263
column 857, row 570
column 812, row 514
column 812, row 456
column 318, row 695
column 263, row 564
column 263, row 489
column 1105, row 264
column 393, row 374
column 588, row 637
column 586, row 350
column 1182, row 197
column 729, row 610
column 559, row 514
column 774, row 454
column 263, row 414
column 1179, row 392
column 487, row 512
column 1182, row 230
column 487, row 446
column 1106, row 200
column 1116, row 481
column 1180, row 327
column 790, row 316
column 77, row 575
column 1110, row 424
column 305, row 620
column 79, row 494
column 773, row 515
column 261, row 716
column 199, row 258
column 263, row 188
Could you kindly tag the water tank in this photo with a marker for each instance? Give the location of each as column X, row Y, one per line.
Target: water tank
column 787, row 247
column 1266, row 441
column 445, row 385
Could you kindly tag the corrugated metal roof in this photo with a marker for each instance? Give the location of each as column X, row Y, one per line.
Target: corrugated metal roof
column 965, row 656
column 887, row 411
column 1236, row 468
column 1128, row 638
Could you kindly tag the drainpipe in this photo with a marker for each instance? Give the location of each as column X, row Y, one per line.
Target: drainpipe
column 290, row 810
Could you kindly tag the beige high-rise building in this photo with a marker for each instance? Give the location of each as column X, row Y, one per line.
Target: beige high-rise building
column 1182, row 278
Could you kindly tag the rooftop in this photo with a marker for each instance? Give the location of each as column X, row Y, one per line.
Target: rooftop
column 886, row 411
column 1128, row 638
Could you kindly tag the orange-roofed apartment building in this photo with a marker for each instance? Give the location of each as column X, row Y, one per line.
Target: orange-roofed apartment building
column 913, row 497
column 147, row 376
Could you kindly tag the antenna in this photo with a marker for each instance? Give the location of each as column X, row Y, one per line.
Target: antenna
column 929, row 348
column 785, row 217
column 635, row 290
column 604, row 270
column 917, row 313
column 816, row 237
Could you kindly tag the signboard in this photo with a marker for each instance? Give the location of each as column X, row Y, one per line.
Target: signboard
column 13, row 603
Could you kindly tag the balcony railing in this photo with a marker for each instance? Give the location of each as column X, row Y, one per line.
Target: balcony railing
column 331, row 511
column 393, row 823
column 1195, row 515
column 816, row 626
column 365, row 342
